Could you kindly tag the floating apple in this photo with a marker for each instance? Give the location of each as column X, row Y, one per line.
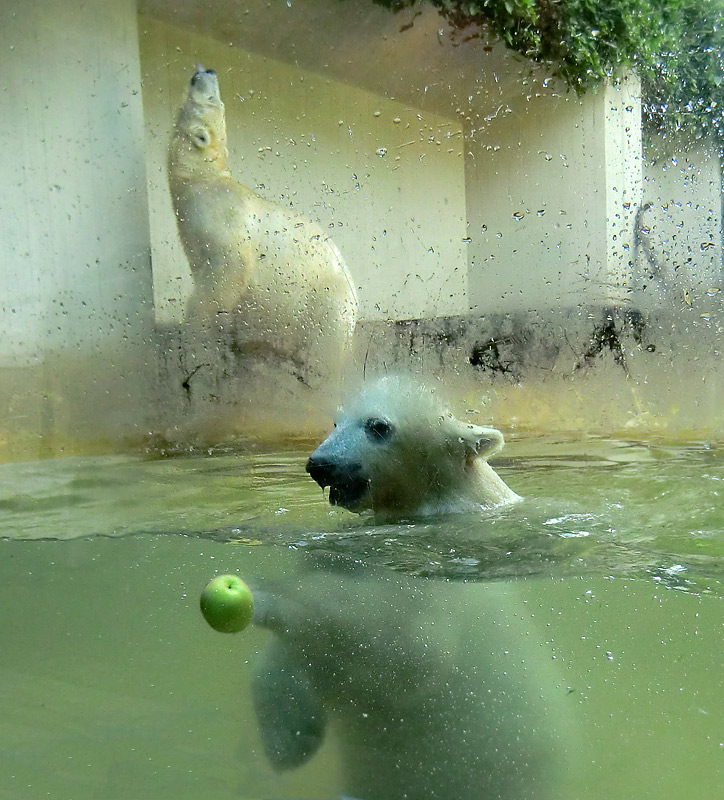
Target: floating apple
column 227, row 603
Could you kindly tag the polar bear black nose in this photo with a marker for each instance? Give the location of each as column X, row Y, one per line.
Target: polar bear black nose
column 322, row 471
column 347, row 484
column 327, row 472
column 200, row 71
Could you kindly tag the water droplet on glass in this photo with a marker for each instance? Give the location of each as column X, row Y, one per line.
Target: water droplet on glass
column 518, row 216
column 381, row 152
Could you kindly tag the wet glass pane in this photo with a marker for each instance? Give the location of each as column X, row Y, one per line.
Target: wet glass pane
column 384, row 338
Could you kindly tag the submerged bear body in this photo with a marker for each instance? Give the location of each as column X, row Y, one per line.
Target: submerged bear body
column 433, row 690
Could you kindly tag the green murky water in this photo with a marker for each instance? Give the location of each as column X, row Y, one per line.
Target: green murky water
column 610, row 574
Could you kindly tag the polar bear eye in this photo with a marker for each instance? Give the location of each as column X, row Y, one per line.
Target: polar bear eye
column 377, row 429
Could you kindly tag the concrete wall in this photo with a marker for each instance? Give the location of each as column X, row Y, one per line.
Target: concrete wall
column 461, row 187
column 75, row 281
column 679, row 231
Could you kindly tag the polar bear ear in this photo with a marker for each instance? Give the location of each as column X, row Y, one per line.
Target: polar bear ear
column 200, row 136
column 479, row 442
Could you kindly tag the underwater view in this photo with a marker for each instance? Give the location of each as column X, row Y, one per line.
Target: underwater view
column 606, row 584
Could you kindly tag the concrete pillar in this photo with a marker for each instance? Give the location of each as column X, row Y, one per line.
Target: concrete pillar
column 553, row 182
column 75, row 279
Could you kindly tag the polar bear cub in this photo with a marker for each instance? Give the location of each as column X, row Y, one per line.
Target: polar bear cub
column 397, row 449
column 262, row 271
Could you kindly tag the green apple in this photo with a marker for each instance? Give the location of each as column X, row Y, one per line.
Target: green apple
column 227, row 604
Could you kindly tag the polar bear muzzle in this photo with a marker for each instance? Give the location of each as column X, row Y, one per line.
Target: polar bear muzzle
column 347, row 484
column 204, row 86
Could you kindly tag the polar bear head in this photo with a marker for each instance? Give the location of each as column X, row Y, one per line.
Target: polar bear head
column 397, row 449
column 200, row 135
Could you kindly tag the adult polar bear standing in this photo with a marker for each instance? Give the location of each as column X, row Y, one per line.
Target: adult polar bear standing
column 268, row 276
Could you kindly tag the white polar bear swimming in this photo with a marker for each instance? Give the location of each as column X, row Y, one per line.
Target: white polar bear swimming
column 433, row 690
column 397, row 450
column 272, row 277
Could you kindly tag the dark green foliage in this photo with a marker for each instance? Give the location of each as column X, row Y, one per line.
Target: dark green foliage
column 675, row 45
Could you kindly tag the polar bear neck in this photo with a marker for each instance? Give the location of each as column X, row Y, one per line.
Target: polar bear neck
column 479, row 487
column 442, row 491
